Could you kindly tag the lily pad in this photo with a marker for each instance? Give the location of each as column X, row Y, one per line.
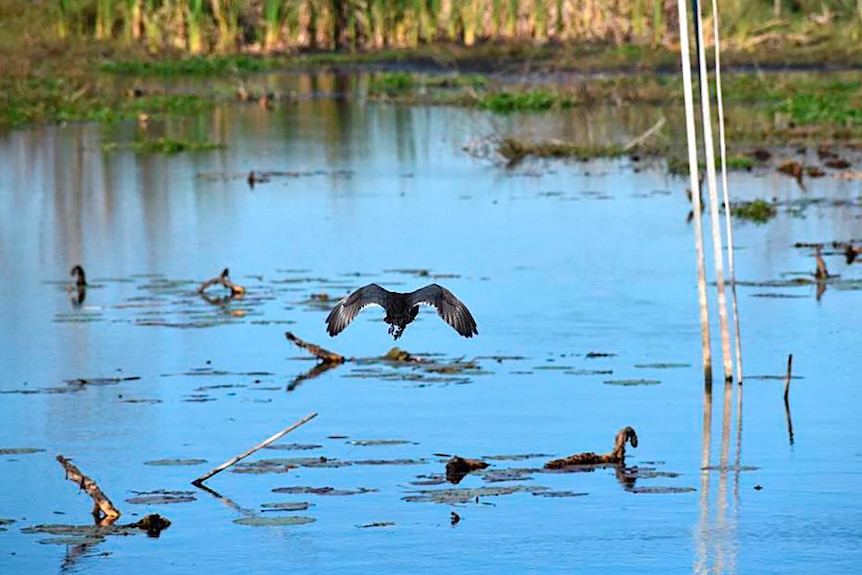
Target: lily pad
column 390, row 462
column 323, row 490
column 282, row 520
column 661, row 365
column 20, row 450
column 286, row 506
column 373, row 442
column 662, row 489
column 560, row 493
column 630, row 382
column 169, row 462
column 294, row 446
column 465, row 495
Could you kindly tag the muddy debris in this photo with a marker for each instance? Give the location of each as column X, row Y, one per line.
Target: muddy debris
column 153, row 524
column 791, row 168
column 616, row 457
column 323, row 490
column 459, row 467
column 376, row 524
column 236, row 290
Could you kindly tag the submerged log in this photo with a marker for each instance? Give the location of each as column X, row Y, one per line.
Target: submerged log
column 615, row 457
column 103, row 510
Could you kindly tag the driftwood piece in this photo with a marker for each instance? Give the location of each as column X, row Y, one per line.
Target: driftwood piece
column 457, row 467
column 103, row 509
column 236, row 290
column 260, row 445
column 787, row 397
column 615, row 457
column 324, row 355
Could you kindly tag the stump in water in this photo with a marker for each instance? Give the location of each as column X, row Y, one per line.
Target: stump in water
column 458, row 467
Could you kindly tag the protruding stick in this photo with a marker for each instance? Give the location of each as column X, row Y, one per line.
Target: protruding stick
column 324, row 354
column 103, row 508
column 260, row 445
column 787, row 379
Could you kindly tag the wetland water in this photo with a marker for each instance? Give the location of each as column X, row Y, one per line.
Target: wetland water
column 581, row 277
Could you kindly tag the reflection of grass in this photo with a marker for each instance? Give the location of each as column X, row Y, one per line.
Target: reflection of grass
column 197, row 66
column 164, row 146
column 403, row 84
column 391, row 83
column 758, row 211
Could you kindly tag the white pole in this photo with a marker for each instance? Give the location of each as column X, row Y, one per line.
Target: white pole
column 694, row 183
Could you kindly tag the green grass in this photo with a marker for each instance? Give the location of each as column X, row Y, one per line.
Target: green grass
column 758, row 211
column 531, row 101
column 196, row 66
column 836, row 108
column 391, row 83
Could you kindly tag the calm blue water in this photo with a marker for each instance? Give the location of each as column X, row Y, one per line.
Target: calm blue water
column 555, row 260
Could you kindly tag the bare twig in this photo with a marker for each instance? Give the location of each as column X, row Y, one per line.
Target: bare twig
column 646, row 135
column 260, row 445
column 787, row 379
column 236, row 290
column 324, row 355
column 103, row 510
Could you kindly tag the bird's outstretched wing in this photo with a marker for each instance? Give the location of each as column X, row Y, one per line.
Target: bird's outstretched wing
column 348, row 308
column 450, row 308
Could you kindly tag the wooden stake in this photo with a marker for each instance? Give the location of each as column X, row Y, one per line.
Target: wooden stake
column 260, row 445
column 324, row 354
column 103, row 509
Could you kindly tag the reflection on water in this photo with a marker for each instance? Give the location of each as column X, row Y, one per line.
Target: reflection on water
column 577, row 274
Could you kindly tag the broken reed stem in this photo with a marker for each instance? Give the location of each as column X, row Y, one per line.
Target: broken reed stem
column 102, row 508
column 691, row 133
column 787, row 379
column 324, row 355
column 260, row 445
column 646, row 135
column 712, row 185
column 722, row 146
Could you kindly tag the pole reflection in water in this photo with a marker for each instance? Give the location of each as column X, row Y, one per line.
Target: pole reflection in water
column 717, row 545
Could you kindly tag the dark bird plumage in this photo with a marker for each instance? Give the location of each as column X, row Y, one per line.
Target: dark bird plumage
column 80, row 278
column 402, row 308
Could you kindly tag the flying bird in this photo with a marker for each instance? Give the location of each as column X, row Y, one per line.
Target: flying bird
column 402, row 308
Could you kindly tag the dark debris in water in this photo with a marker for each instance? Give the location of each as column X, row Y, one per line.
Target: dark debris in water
column 376, row 524
column 516, row 456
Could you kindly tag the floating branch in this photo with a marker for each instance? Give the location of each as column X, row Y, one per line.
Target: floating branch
column 103, row 510
column 262, row 444
column 787, row 398
column 615, row 457
column 324, row 355
column 646, row 135
column 236, row 290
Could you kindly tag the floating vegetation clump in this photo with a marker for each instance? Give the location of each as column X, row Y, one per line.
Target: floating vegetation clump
column 286, row 506
column 391, row 83
column 758, row 211
column 280, row 521
column 323, row 490
column 839, row 105
column 631, row 382
column 161, row 497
